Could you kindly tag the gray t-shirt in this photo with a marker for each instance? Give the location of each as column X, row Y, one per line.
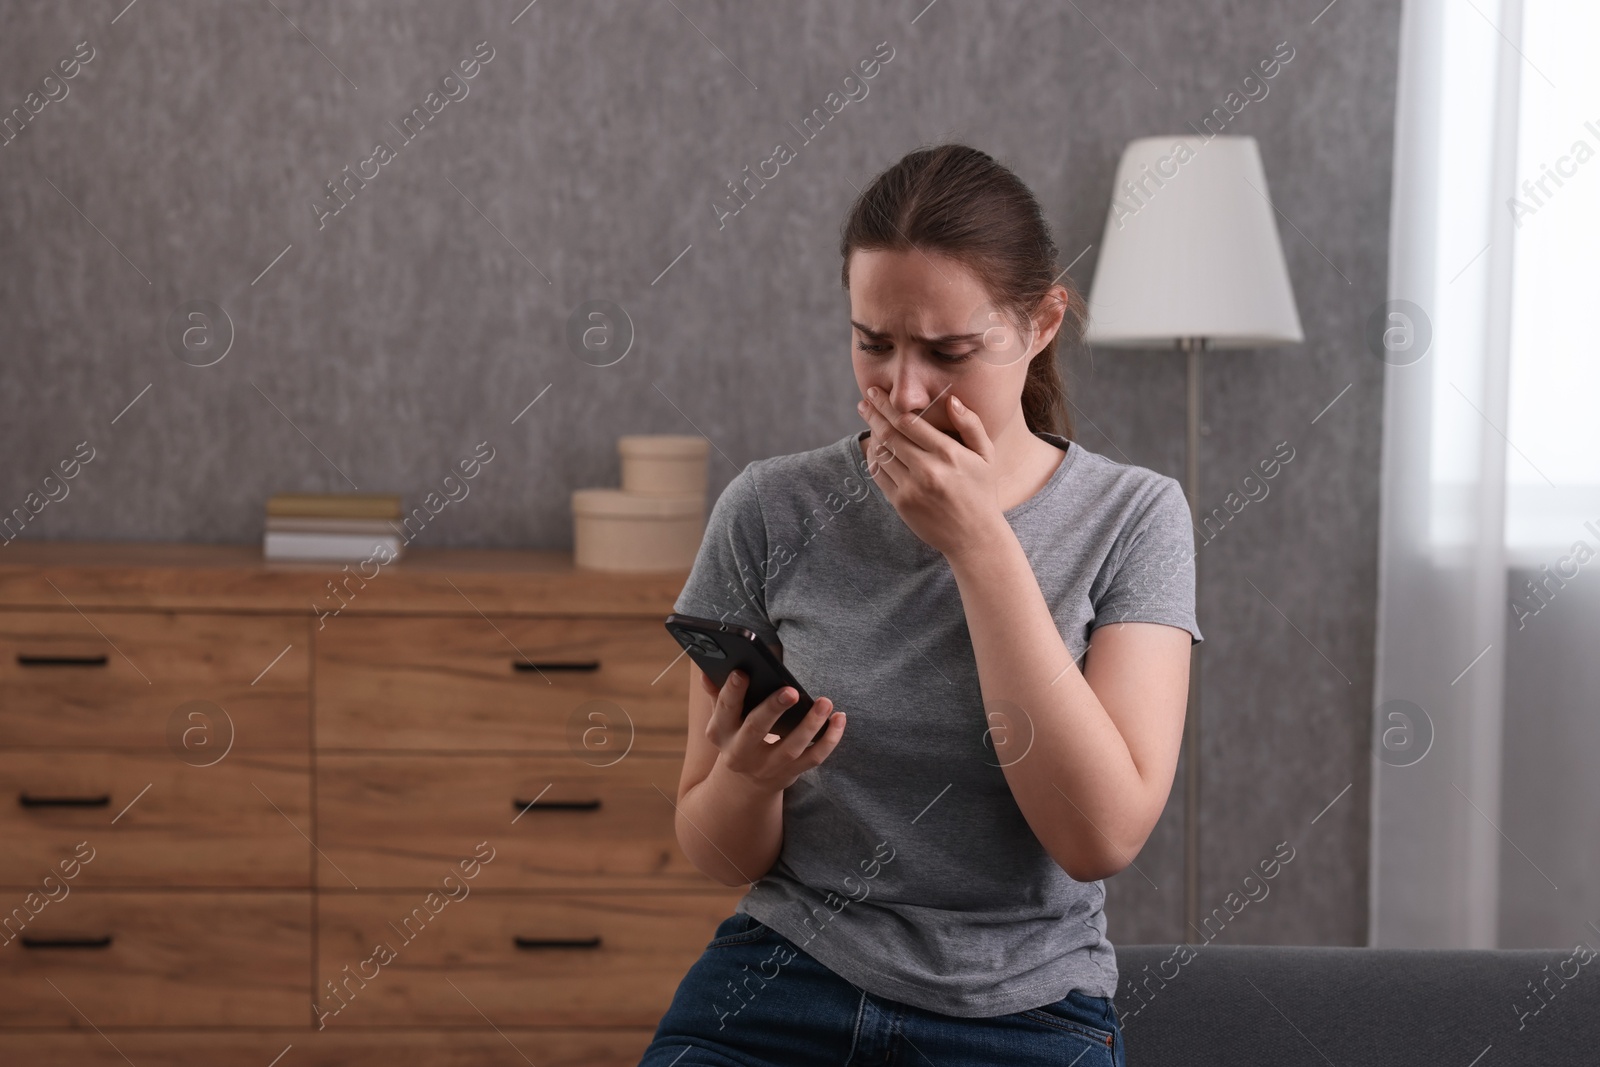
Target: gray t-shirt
column 907, row 867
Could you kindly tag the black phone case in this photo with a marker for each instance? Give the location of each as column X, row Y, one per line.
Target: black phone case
column 719, row 649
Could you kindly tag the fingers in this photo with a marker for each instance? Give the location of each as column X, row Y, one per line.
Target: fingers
column 744, row 736
column 880, row 454
column 728, row 720
column 900, row 428
column 878, row 464
column 824, row 745
column 766, row 714
column 724, row 723
column 798, row 743
column 882, row 448
column 974, row 434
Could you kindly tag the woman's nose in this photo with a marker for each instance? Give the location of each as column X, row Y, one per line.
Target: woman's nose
column 910, row 390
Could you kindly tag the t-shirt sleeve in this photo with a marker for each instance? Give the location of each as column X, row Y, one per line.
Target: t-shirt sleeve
column 1153, row 579
column 727, row 581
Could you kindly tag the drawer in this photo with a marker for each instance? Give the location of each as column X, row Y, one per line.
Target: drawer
column 401, row 821
column 590, row 687
column 110, row 957
column 153, row 820
column 329, row 1047
column 132, row 679
column 522, row 959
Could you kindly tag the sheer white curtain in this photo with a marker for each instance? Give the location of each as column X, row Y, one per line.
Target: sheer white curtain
column 1491, row 461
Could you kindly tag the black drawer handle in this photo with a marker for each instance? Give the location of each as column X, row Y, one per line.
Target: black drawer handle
column 557, row 942
column 66, row 942
column 24, row 660
column 100, row 801
column 567, row 665
column 558, row 805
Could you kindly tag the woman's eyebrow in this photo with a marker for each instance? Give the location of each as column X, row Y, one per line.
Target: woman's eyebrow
column 948, row 338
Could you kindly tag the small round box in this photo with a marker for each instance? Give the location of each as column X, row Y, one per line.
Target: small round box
column 614, row 530
column 663, row 464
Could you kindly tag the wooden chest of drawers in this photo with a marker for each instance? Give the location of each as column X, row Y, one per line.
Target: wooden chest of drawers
column 435, row 827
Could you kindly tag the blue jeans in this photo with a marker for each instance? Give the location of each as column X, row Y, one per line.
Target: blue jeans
column 756, row 999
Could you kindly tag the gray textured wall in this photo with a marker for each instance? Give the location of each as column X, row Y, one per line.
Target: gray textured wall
column 585, row 159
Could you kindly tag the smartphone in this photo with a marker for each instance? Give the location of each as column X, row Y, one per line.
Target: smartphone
column 719, row 649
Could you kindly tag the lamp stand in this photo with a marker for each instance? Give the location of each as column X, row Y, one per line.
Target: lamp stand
column 1192, row 347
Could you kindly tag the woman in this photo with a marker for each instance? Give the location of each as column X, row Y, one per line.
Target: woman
column 926, row 884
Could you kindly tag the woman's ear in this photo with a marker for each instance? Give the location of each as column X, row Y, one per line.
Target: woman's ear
column 1047, row 319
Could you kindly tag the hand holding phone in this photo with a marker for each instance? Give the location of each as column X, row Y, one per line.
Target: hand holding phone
column 764, row 723
column 748, row 744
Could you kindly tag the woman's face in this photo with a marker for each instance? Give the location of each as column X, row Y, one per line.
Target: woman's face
column 923, row 329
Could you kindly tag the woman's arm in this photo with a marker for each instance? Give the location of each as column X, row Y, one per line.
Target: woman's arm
column 1090, row 755
column 730, row 830
column 729, row 817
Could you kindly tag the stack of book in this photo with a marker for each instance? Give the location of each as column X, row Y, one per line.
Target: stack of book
column 333, row 527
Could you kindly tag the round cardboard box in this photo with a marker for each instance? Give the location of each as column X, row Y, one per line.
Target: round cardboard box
column 663, row 464
column 615, row 530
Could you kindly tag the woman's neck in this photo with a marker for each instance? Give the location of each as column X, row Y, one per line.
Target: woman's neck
column 1029, row 468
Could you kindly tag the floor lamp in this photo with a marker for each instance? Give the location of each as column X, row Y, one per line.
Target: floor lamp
column 1191, row 259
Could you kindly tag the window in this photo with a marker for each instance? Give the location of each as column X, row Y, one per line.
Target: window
column 1553, row 458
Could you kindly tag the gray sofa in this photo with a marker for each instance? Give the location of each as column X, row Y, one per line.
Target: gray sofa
column 1287, row 1006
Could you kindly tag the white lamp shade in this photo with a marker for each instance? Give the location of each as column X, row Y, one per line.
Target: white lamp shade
column 1191, row 250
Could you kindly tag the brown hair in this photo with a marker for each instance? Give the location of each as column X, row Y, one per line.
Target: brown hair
column 961, row 202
